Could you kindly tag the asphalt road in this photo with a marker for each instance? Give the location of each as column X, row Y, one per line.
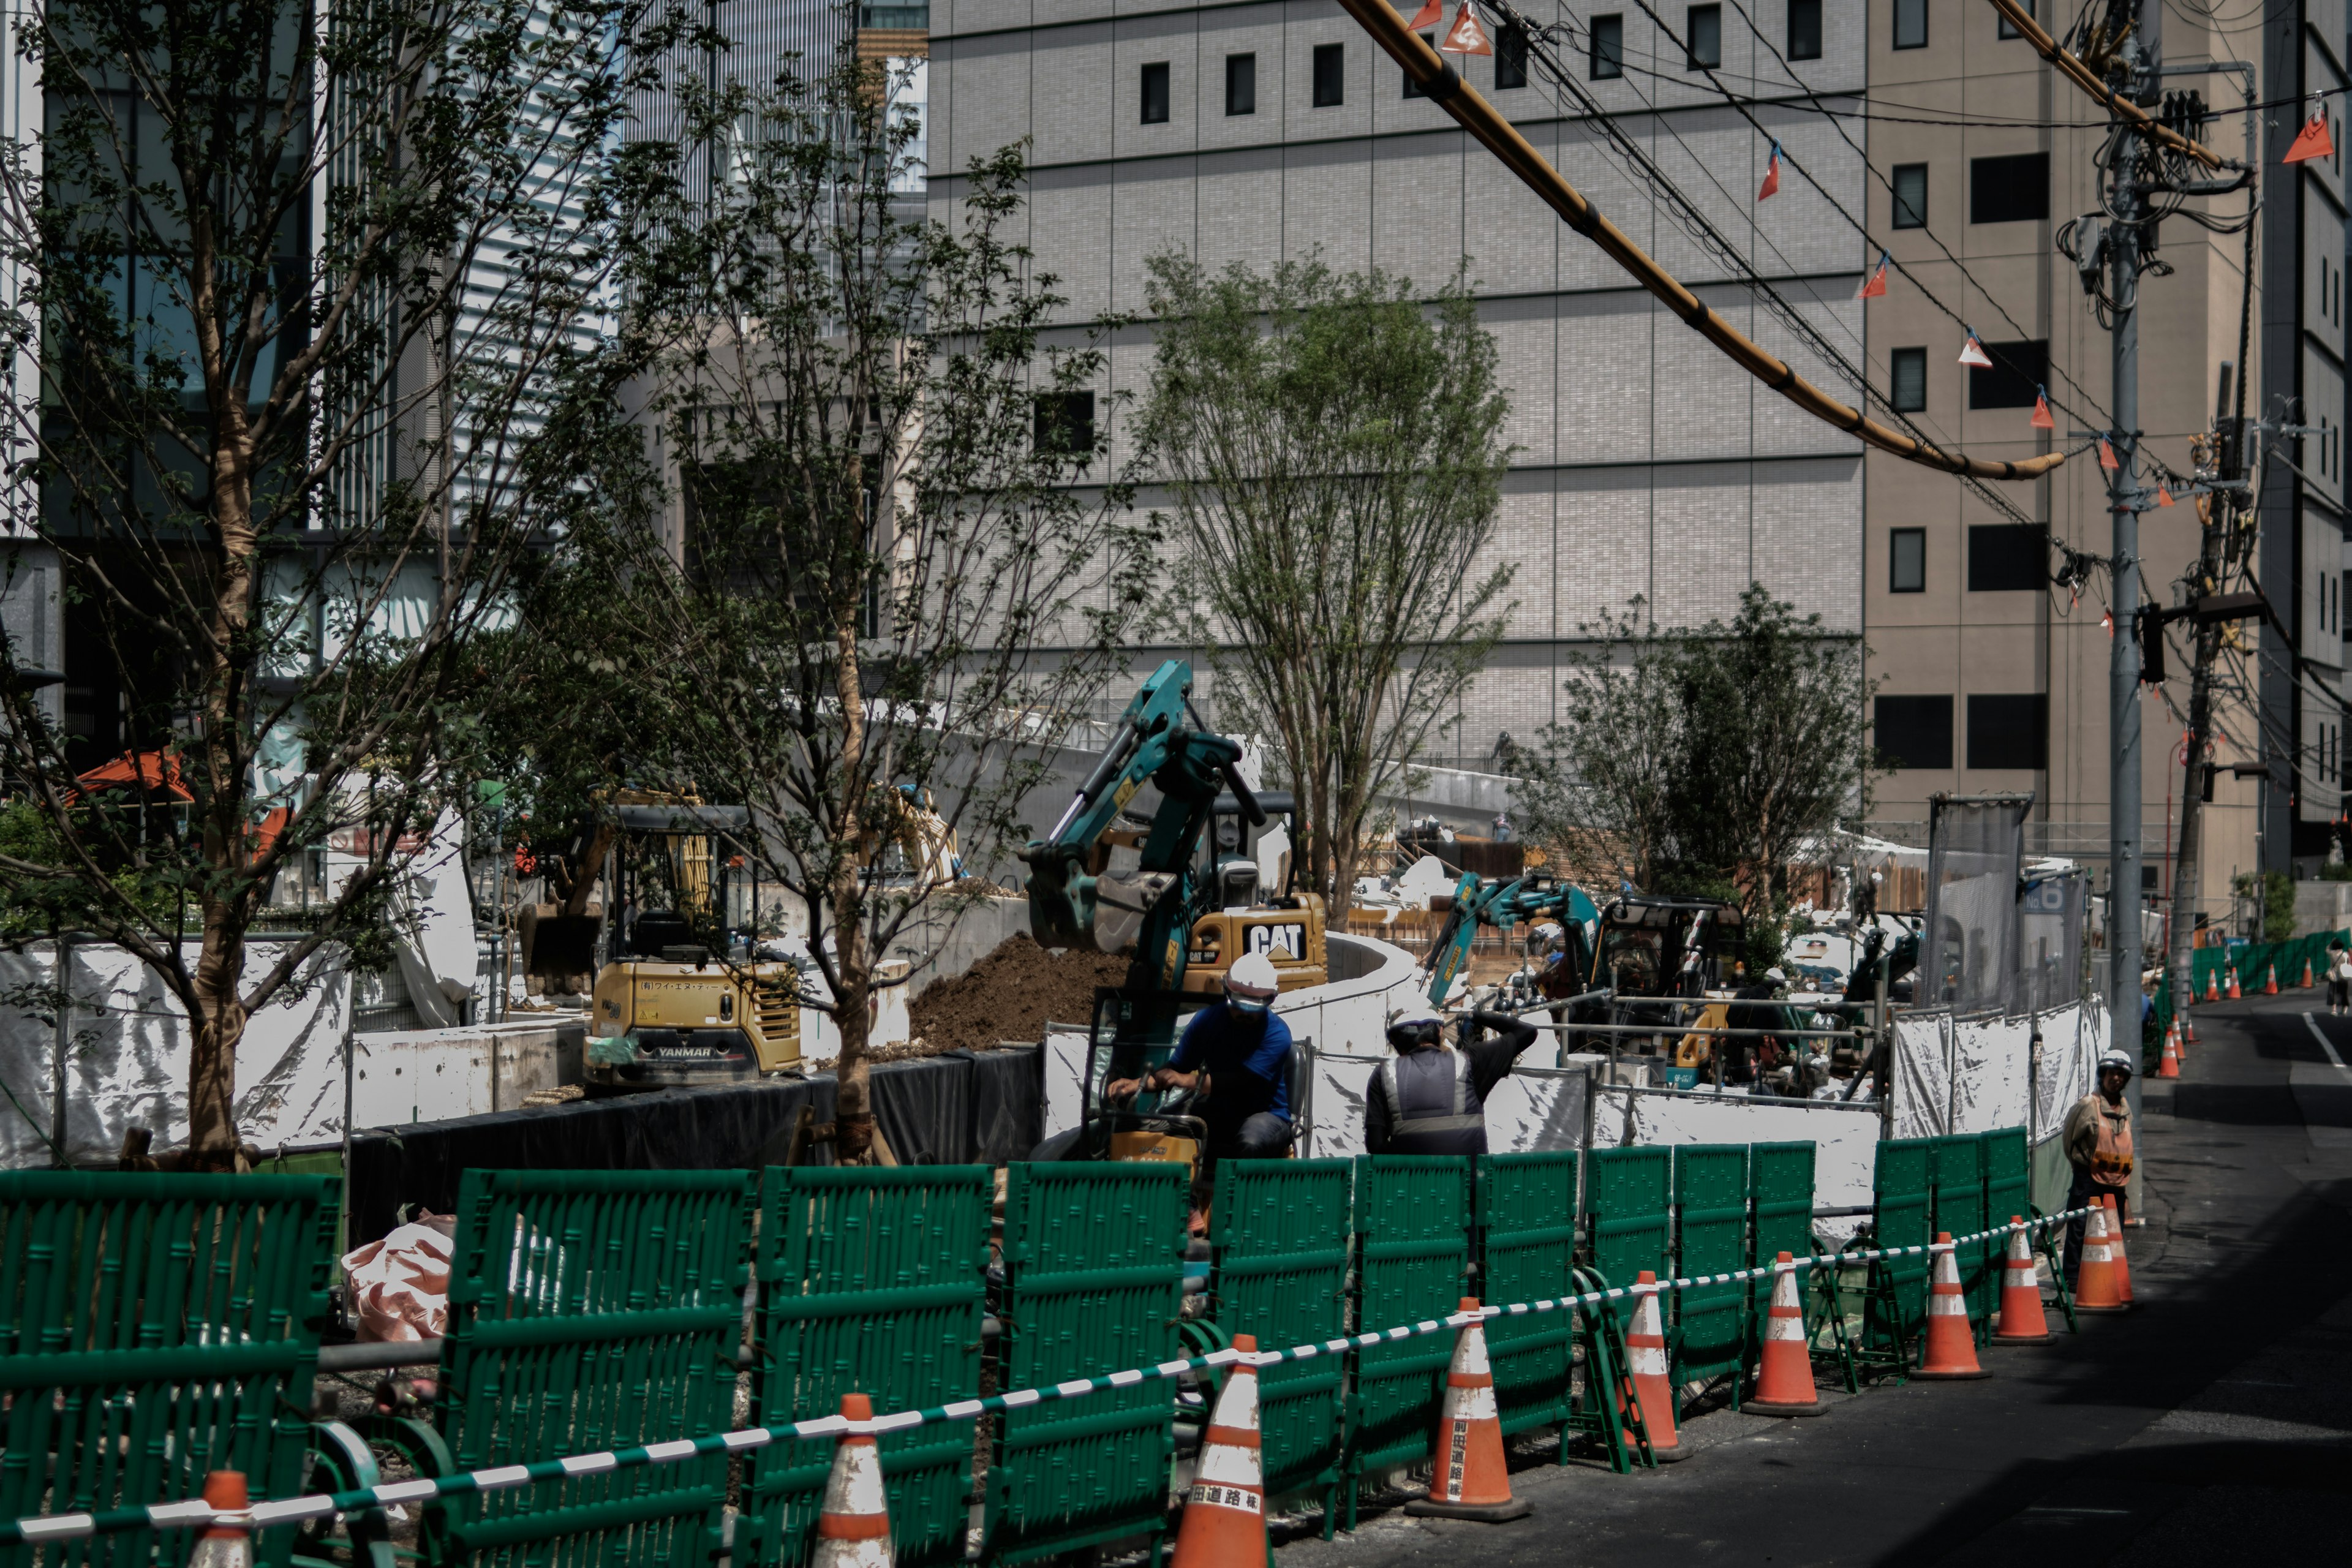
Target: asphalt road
column 2211, row 1426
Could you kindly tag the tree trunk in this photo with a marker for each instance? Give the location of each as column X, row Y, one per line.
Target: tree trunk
column 853, row 1113
column 218, row 1025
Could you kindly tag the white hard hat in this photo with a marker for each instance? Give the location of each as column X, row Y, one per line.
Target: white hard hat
column 2117, row 1061
column 1776, row 973
column 1417, row 1014
column 1251, row 979
column 1550, row 933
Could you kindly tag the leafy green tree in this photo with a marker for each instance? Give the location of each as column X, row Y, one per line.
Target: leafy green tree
column 317, row 296
column 1332, row 451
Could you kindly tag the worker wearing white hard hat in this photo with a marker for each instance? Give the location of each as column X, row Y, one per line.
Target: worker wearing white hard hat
column 1236, row 1052
column 2097, row 1138
column 1430, row 1098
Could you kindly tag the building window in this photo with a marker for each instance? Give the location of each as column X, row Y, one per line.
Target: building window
column 1702, row 37
column 2019, row 370
column 1608, row 47
column 2008, row 729
column 1913, row 732
column 1907, row 386
column 1330, row 75
column 2009, row 190
column 1062, row 424
column 2008, row 557
column 1510, row 57
column 1910, row 23
column 2007, row 31
column 1907, row 561
column 1155, row 94
column 1241, row 84
column 1413, row 88
column 1804, row 29
column 1910, row 196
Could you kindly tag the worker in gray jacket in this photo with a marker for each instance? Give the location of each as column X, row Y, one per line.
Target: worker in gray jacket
column 1430, row 1098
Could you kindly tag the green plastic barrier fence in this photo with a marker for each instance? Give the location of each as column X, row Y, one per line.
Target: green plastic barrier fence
column 1413, row 1252
column 1280, row 1246
column 1094, row 1279
column 1956, row 1170
column 591, row 1309
column 1710, row 1237
column 2007, row 1184
column 1780, row 1219
column 1628, row 1219
column 2254, row 961
column 872, row 1280
column 153, row 1327
column 1903, row 1215
column 1526, row 1213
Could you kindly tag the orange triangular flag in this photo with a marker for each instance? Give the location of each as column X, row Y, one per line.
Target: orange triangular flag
column 1467, row 37
column 2163, row 496
column 2042, row 420
column 1877, row 288
column 1972, row 352
column 1431, row 13
column 2312, row 142
column 2107, row 455
column 1771, row 176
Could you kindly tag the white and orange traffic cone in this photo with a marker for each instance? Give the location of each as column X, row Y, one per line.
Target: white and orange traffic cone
column 2168, row 1065
column 2116, row 1246
column 228, row 1541
column 1223, row 1524
column 2234, row 994
column 2306, row 974
column 2023, row 1321
column 2269, row 981
column 1653, row 1389
column 1471, row 1481
column 2094, row 1280
column 1950, row 1352
column 2213, row 985
column 1784, row 1372
column 854, row 1530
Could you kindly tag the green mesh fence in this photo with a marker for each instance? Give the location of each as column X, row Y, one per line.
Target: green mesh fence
column 1780, row 1219
column 1956, row 1172
column 1901, row 1216
column 2254, row 961
column 1280, row 1245
column 153, row 1327
column 1710, row 1237
column 1525, row 1211
column 592, row 1309
column 872, row 1280
column 1628, row 1220
column 1094, row 1258
column 1413, row 1251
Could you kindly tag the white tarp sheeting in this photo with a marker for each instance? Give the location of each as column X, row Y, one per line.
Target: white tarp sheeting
column 127, row 1056
column 1844, row 1137
column 1972, row 1075
column 2071, row 1042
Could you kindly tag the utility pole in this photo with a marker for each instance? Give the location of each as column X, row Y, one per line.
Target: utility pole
column 2187, row 875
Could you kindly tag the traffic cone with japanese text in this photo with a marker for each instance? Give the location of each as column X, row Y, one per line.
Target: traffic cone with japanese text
column 2269, row 981
column 2094, row 1280
column 1224, row 1525
column 1653, row 1389
column 2168, row 1065
column 2023, row 1321
column 2116, row 1244
column 2233, row 992
column 853, row 1530
column 1784, row 1372
column 1950, row 1352
column 228, row 1541
column 1471, row 1481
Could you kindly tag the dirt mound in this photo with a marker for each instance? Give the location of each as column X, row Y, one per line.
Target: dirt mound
column 1011, row 993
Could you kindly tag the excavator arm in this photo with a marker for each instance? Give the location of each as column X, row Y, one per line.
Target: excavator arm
column 1500, row 906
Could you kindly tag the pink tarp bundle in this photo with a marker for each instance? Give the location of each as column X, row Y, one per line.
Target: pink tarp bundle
column 400, row 1286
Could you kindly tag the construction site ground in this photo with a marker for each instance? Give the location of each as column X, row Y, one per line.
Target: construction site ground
column 1010, row 996
column 2213, row 1425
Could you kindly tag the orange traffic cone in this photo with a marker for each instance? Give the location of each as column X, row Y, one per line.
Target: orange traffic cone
column 1951, row 1348
column 853, row 1530
column 1646, row 1349
column 2022, row 1321
column 2095, row 1283
column 1224, row 1513
column 228, row 1541
column 1471, row 1481
column 2269, row 981
column 2168, row 1065
column 2234, row 993
column 2116, row 1246
column 1784, row 1373
column 2213, row 985
column 2307, row 976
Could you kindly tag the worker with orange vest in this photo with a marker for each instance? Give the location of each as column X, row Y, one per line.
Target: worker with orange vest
column 2098, row 1142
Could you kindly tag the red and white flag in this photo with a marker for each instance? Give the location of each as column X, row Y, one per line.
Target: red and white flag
column 1431, row 13
column 2042, row 420
column 2313, row 141
column 1972, row 353
column 1771, row 176
column 1467, row 37
column 1877, row 288
column 2108, row 456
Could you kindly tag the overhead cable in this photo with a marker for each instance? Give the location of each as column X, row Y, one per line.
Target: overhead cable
column 2083, row 77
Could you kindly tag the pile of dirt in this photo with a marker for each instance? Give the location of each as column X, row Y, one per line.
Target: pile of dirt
column 1011, row 993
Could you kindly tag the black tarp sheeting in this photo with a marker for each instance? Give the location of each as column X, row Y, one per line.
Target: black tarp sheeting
column 959, row 1108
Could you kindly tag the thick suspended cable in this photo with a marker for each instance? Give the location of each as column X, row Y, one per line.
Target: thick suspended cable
column 2123, row 108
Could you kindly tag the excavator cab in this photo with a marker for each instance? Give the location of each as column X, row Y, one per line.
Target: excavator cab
column 1286, row 925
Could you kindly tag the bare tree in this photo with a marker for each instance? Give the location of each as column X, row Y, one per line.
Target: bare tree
column 316, row 299
column 1332, row 450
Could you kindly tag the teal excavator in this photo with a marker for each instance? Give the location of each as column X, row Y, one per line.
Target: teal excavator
column 1500, row 906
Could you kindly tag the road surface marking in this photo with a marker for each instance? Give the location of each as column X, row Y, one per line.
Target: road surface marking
column 2313, row 1024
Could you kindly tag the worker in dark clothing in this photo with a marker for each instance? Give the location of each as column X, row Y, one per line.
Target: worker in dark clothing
column 1430, row 1098
column 1236, row 1051
column 1748, row 1056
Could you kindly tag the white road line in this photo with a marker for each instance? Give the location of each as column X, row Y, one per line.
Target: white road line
column 2313, row 1025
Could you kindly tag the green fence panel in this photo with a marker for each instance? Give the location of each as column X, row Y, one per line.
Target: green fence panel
column 1901, row 1216
column 1525, row 1210
column 592, row 1309
column 1710, row 1237
column 2008, row 1181
column 1957, row 1172
column 1094, row 1279
column 1280, row 1246
column 1413, row 1253
column 872, row 1280
column 153, row 1327
column 1781, row 1194
column 1628, row 1218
